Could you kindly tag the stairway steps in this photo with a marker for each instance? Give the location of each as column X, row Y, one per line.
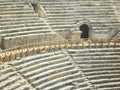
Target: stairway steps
column 105, row 81
column 109, row 85
column 96, row 54
column 98, row 61
column 60, row 65
column 37, row 75
column 42, row 65
column 26, row 64
column 102, row 72
column 62, row 85
column 11, row 80
column 59, row 75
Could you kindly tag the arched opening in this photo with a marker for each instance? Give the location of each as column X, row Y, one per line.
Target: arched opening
column 85, row 31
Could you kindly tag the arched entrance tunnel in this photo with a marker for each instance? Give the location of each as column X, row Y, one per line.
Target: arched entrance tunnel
column 85, row 31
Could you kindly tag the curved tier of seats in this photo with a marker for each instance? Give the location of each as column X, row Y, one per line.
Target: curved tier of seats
column 100, row 15
column 10, row 79
column 100, row 65
column 50, row 71
column 18, row 19
column 60, row 15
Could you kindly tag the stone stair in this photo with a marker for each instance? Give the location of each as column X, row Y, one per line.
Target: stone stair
column 11, row 80
column 49, row 71
column 60, row 15
column 100, row 65
column 101, row 15
column 18, row 19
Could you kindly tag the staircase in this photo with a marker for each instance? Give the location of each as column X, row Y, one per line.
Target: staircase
column 64, row 15
column 60, row 15
column 49, row 71
column 100, row 65
column 10, row 79
column 101, row 14
column 18, row 21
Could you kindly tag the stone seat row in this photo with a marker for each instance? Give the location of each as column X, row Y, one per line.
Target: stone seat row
column 52, row 71
column 102, row 70
column 11, row 80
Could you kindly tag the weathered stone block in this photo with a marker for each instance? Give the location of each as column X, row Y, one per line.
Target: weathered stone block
column 10, row 42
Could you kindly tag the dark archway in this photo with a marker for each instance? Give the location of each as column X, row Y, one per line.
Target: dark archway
column 85, row 31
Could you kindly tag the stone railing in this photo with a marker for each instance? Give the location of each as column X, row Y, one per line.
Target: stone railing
column 36, row 48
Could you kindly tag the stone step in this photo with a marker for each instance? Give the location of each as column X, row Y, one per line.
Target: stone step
column 61, row 85
column 83, row 86
column 104, row 81
column 54, row 76
column 19, row 19
column 12, row 30
column 98, row 61
column 35, row 72
column 97, row 57
column 5, row 8
column 10, row 80
column 6, row 76
column 50, row 67
column 96, row 66
column 24, row 22
column 95, row 54
column 24, row 87
column 108, row 85
column 92, row 50
column 60, row 22
column 18, row 16
column 102, row 72
column 9, row 9
column 41, row 64
column 31, row 59
column 95, row 69
column 105, row 76
column 61, row 26
column 30, row 62
column 17, row 12
column 60, row 15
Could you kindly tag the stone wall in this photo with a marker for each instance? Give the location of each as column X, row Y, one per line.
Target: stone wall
column 10, row 42
column 104, row 34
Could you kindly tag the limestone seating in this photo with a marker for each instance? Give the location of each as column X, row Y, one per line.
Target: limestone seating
column 15, row 7
column 24, row 32
column 13, row 30
column 60, row 23
column 57, row 12
column 19, row 22
column 64, row 84
column 20, row 15
column 58, row 6
column 13, row 11
column 10, row 80
column 17, row 19
column 102, row 70
column 57, row 45
column 35, row 72
column 19, row 28
column 56, row 72
column 29, row 63
column 105, row 8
